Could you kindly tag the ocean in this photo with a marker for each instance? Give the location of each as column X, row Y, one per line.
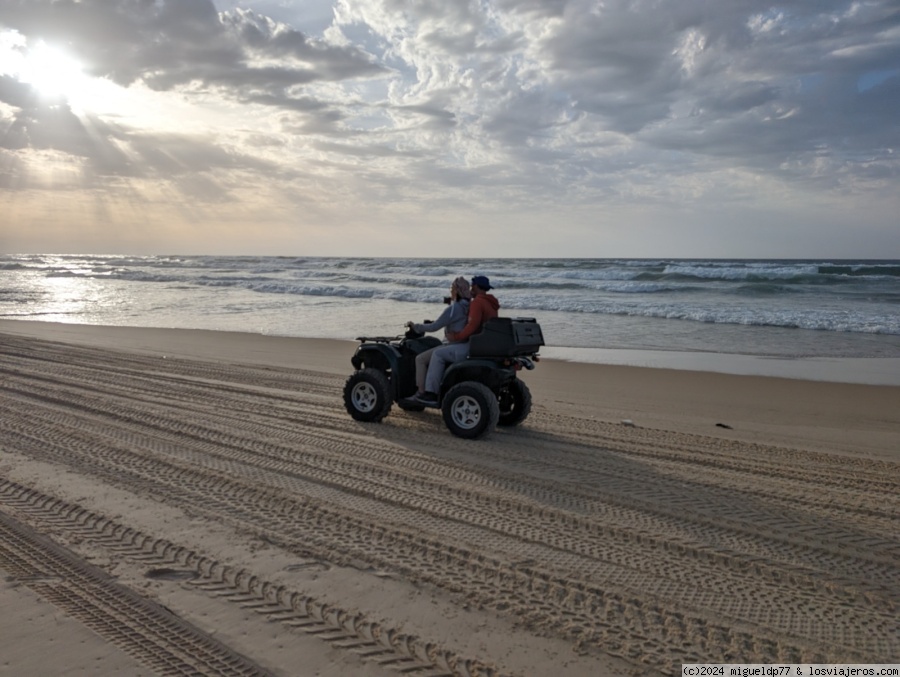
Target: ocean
column 830, row 319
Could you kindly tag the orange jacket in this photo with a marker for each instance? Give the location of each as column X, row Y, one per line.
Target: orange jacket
column 482, row 308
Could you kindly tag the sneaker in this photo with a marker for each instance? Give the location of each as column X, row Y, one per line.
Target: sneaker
column 427, row 398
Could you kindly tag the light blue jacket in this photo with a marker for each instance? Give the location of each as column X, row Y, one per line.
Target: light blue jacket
column 452, row 319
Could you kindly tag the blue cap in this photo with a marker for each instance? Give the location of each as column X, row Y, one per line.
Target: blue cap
column 482, row 282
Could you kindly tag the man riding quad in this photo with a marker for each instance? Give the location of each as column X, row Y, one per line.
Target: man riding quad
column 475, row 394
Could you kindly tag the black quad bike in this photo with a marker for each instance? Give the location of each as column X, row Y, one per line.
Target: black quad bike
column 477, row 393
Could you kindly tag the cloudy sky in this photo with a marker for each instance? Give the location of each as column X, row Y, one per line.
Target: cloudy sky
column 660, row 128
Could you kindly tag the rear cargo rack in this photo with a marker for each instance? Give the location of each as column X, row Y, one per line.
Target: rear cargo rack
column 507, row 337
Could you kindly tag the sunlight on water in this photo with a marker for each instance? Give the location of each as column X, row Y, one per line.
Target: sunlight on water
column 69, row 299
column 635, row 309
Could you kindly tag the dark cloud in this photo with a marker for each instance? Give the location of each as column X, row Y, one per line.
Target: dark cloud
column 741, row 97
column 537, row 8
column 762, row 86
column 264, row 38
column 368, row 151
column 168, row 43
column 46, row 128
column 435, row 116
column 17, row 94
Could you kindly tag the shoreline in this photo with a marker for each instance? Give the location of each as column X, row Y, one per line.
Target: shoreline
column 862, row 370
column 884, row 371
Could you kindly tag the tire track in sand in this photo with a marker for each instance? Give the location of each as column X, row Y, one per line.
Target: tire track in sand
column 653, row 547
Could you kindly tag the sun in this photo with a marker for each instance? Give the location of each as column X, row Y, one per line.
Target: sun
column 58, row 77
column 52, row 72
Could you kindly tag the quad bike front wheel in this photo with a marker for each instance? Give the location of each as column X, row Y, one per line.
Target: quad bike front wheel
column 470, row 410
column 367, row 395
column 515, row 404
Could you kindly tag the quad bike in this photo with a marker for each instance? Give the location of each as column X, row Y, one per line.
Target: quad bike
column 476, row 394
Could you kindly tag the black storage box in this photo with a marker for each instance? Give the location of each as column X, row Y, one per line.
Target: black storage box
column 507, row 337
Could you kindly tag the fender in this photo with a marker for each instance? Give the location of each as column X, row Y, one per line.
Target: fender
column 382, row 356
column 491, row 373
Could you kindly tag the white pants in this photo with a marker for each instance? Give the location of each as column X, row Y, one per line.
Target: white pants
column 441, row 358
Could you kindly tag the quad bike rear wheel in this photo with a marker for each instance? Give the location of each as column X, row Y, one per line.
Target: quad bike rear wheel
column 470, row 410
column 515, row 404
column 367, row 395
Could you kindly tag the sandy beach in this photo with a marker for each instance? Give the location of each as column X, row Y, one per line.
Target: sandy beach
column 177, row 501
